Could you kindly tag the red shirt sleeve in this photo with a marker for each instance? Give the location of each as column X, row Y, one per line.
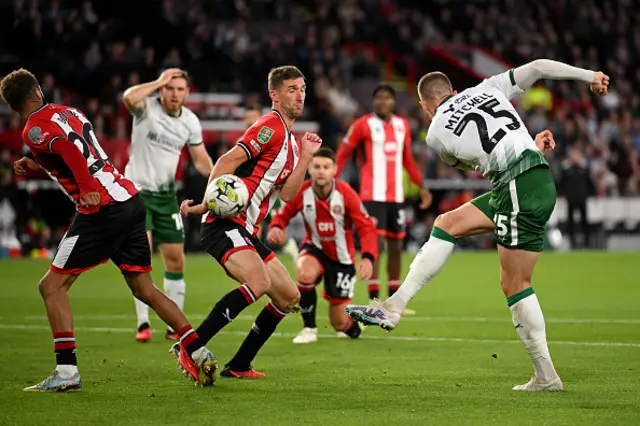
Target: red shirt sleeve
column 265, row 133
column 290, row 209
column 351, row 141
column 44, row 137
column 407, row 159
column 362, row 221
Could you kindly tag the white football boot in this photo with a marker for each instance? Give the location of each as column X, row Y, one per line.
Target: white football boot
column 307, row 335
column 375, row 314
column 534, row 385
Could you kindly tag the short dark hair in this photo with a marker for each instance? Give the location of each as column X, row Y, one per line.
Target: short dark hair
column 278, row 75
column 434, row 85
column 384, row 87
column 325, row 152
column 17, row 88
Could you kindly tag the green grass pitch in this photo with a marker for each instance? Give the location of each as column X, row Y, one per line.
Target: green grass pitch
column 454, row 363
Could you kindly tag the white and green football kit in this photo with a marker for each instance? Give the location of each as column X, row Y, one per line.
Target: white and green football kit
column 157, row 140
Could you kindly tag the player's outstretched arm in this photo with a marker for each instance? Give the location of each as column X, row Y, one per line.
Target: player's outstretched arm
column 526, row 75
column 134, row 96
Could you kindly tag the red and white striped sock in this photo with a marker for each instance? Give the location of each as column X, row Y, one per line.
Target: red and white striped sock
column 374, row 289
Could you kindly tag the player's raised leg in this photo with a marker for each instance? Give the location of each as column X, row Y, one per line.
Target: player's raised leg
column 309, row 270
column 284, row 296
column 54, row 288
column 464, row 221
column 174, row 285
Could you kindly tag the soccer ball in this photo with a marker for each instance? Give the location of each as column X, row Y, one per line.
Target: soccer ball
column 226, row 196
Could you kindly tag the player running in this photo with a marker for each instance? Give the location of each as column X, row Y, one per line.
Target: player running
column 329, row 208
column 272, row 163
column 480, row 129
column 109, row 224
column 383, row 142
column 162, row 126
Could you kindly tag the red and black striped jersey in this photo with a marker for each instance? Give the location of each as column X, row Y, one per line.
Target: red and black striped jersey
column 64, row 145
column 273, row 152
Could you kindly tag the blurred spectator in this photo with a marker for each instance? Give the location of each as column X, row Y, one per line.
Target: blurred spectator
column 576, row 186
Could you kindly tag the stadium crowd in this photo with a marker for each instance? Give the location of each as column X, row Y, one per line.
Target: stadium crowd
column 85, row 56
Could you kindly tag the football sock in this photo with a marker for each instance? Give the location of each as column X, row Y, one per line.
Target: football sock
column 353, row 330
column 308, row 302
column 262, row 329
column 175, row 288
column 189, row 339
column 374, row 289
column 225, row 311
column 425, row 266
column 393, row 286
column 64, row 346
column 142, row 311
column 529, row 323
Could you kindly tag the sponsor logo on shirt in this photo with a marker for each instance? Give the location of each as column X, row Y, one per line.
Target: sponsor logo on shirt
column 36, row 136
column 255, row 145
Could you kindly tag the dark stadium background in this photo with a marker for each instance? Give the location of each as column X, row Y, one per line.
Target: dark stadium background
column 86, row 53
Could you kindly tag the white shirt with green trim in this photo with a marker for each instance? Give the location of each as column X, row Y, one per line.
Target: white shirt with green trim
column 157, row 139
column 480, row 129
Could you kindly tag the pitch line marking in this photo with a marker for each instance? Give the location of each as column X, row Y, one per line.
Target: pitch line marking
column 404, row 319
column 333, row 336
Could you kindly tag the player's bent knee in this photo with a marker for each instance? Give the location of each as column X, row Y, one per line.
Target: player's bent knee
column 445, row 221
column 259, row 286
column 307, row 276
column 287, row 298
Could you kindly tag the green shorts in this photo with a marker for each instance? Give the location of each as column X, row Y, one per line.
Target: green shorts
column 163, row 218
column 520, row 210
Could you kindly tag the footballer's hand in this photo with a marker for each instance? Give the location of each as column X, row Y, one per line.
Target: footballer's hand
column 600, row 83
column 310, row 143
column 167, row 75
column 425, row 198
column 545, row 142
column 21, row 166
column 365, row 269
column 276, row 236
column 187, row 209
column 90, row 199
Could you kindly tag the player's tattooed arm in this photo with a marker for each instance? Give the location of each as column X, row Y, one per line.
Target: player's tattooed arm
column 134, row 97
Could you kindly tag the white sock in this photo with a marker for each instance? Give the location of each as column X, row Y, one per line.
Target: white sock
column 175, row 290
column 67, row 371
column 425, row 266
column 142, row 311
column 529, row 322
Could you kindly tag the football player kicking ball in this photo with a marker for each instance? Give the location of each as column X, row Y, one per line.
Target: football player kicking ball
column 271, row 163
column 329, row 208
column 109, row 224
column 480, row 129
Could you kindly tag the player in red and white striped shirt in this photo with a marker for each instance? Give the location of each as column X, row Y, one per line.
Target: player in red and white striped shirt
column 383, row 143
column 329, row 208
column 110, row 224
column 271, row 163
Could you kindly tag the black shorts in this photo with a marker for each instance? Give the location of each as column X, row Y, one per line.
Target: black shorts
column 221, row 238
column 389, row 218
column 117, row 232
column 339, row 279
